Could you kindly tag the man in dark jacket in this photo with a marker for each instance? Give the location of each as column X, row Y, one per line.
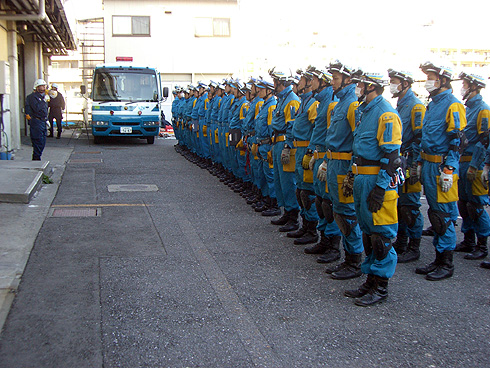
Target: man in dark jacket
column 37, row 115
column 56, row 106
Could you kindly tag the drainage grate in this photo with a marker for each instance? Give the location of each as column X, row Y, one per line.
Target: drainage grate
column 132, row 188
column 86, row 152
column 76, row 212
column 85, row 161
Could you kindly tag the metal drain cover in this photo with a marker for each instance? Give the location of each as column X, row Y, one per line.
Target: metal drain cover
column 132, row 188
column 85, row 161
column 76, row 212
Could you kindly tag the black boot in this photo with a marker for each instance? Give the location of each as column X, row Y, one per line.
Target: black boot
column 468, row 244
column 363, row 289
column 376, row 294
column 480, row 251
column 292, row 223
column 445, row 268
column 351, row 269
column 262, row 205
column 311, row 235
column 333, row 250
column 401, row 242
column 485, row 264
column 430, row 267
column 412, row 253
column 320, row 247
column 281, row 220
column 272, row 208
column 428, row 231
column 296, row 231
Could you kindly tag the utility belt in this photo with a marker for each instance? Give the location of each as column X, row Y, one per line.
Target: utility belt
column 301, row 143
column 263, row 141
column 339, row 155
column 465, row 158
column 365, row 170
column 278, row 136
column 437, row 159
column 318, row 155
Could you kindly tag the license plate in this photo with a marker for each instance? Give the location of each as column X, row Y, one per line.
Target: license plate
column 126, row 130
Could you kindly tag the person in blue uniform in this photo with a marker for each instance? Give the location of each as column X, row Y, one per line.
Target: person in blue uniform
column 282, row 140
column 226, row 104
column 304, row 122
column 219, row 170
column 174, row 111
column 438, row 165
column 373, row 183
column 263, row 132
column 202, row 130
column 328, row 246
column 36, row 109
column 410, row 220
column 335, row 167
column 473, row 195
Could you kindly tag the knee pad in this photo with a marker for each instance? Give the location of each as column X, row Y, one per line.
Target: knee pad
column 366, row 242
column 407, row 216
column 318, row 205
column 327, row 208
column 475, row 210
column 298, row 197
column 438, row 221
column 381, row 246
column 306, row 199
column 344, row 225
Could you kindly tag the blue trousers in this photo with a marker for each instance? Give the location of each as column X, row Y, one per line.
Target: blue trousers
column 38, row 132
column 284, row 182
column 269, row 188
column 309, row 214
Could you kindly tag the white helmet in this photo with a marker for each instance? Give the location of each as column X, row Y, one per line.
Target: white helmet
column 54, row 85
column 39, row 82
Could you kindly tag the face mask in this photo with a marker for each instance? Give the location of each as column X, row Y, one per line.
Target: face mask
column 430, row 85
column 358, row 92
column 464, row 91
column 394, row 88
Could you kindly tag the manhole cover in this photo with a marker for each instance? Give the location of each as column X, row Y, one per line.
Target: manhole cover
column 76, row 212
column 132, row 188
column 85, row 161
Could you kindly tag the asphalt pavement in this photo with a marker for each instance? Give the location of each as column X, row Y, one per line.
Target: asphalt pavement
column 146, row 260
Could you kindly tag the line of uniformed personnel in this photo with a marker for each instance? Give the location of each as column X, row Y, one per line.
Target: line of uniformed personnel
column 327, row 147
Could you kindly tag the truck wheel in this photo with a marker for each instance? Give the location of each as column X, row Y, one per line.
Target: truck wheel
column 97, row 139
column 150, row 140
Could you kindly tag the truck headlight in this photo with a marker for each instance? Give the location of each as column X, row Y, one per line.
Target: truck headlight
column 101, row 123
column 151, row 123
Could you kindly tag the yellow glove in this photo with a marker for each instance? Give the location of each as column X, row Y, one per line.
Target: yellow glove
column 306, row 161
column 28, row 117
column 255, row 148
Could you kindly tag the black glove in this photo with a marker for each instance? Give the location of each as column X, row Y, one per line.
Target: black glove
column 348, row 184
column 375, row 199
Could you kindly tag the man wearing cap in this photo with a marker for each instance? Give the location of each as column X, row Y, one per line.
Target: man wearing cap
column 56, row 106
column 473, row 193
column 282, row 140
column 36, row 109
column 335, row 167
column 375, row 175
column 410, row 220
column 438, row 165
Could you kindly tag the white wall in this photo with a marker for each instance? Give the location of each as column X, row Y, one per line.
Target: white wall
column 172, row 47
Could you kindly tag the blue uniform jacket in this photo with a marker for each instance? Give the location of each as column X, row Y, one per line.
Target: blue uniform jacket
column 215, row 108
column 477, row 115
column 445, row 116
column 342, row 122
column 249, row 121
column 201, row 108
column 189, row 107
column 378, row 131
column 283, row 120
column 411, row 112
column 264, row 119
column 37, row 107
column 181, row 109
column 175, row 106
column 317, row 140
column 304, row 120
column 226, row 109
column 238, row 112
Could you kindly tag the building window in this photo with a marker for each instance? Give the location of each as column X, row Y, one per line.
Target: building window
column 130, row 25
column 212, row 27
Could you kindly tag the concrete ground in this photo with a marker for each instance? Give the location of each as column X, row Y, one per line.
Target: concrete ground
column 189, row 276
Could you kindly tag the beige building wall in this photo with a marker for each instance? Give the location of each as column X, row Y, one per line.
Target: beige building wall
column 3, row 40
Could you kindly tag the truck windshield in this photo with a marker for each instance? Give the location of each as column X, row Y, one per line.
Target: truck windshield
column 125, row 85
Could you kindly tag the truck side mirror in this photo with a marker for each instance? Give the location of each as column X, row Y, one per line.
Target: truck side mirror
column 83, row 89
column 165, row 92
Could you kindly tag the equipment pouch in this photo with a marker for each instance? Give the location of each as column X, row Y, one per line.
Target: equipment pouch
column 290, row 167
column 216, row 136
column 269, row 159
column 342, row 198
column 204, row 131
column 411, row 188
column 227, row 139
column 451, row 195
column 308, row 176
column 388, row 214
